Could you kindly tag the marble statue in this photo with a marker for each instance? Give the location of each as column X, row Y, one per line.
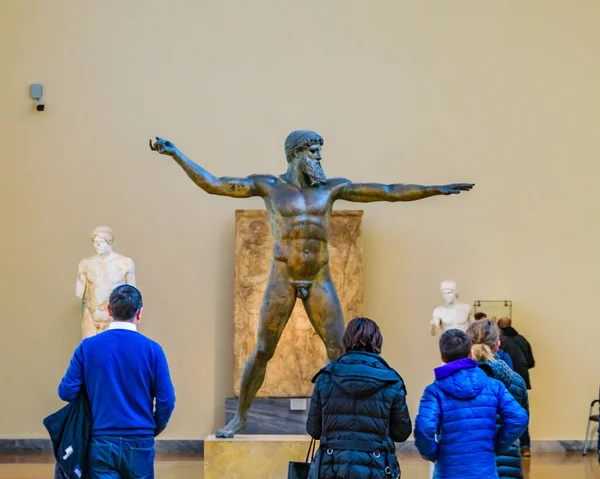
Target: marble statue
column 299, row 203
column 453, row 314
column 97, row 277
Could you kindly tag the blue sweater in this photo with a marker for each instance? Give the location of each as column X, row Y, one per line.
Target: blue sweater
column 123, row 372
column 456, row 424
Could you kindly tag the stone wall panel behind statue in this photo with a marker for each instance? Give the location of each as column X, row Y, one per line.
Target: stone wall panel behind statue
column 300, row 353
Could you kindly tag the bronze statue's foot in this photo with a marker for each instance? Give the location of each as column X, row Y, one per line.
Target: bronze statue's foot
column 235, row 425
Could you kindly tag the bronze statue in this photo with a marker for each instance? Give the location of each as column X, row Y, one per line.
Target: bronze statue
column 299, row 203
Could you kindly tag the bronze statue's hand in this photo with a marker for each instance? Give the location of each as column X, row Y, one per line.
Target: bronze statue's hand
column 455, row 188
column 164, row 147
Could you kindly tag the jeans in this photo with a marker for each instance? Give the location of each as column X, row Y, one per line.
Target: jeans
column 525, row 439
column 116, row 457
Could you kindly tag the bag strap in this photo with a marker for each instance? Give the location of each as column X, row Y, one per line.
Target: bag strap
column 311, row 450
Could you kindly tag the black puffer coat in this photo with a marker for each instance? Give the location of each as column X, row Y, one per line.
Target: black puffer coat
column 508, row 464
column 359, row 402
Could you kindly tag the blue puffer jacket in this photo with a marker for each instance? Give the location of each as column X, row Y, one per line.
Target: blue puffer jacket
column 504, row 356
column 358, row 409
column 456, row 424
column 509, row 463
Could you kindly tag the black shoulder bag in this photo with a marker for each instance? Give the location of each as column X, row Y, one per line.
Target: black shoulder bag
column 300, row 470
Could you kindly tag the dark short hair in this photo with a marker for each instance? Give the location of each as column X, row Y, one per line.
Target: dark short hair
column 480, row 315
column 455, row 344
column 125, row 301
column 363, row 334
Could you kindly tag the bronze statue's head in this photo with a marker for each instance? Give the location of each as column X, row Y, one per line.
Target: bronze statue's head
column 304, row 147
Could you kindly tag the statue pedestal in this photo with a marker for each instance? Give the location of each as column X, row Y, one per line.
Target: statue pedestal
column 253, row 457
column 281, row 416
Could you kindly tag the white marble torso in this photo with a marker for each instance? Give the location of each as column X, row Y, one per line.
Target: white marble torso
column 97, row 278
column 453, row 316
column 102, row 275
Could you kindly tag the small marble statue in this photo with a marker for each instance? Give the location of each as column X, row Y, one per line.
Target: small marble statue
column 97, row 277
column 453, row 314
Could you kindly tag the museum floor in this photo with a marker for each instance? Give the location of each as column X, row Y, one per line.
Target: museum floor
column 541, row 466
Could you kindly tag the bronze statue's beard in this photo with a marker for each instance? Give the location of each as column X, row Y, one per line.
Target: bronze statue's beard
column 313, row 170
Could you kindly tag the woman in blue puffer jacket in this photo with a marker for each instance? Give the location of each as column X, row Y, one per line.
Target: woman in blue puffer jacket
column 485, row 337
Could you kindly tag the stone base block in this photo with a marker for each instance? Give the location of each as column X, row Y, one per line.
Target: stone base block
column 252, row 457
column 272, row 415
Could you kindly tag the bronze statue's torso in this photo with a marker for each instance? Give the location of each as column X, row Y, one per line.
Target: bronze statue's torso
column 299, row 220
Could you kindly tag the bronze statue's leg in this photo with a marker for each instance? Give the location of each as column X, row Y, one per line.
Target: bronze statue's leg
column 277, row 306
column 325, row 313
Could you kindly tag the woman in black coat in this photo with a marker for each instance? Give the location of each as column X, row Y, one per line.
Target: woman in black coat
column 358, row 410
column 485, row 337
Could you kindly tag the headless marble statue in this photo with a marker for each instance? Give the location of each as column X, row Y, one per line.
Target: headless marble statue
column 96, row 279
column 453, row 314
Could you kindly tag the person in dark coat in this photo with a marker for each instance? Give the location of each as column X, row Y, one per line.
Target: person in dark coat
column 518, row 349
column 521, row 353
column 456, row 425
column 485, row 337
column 358, row 410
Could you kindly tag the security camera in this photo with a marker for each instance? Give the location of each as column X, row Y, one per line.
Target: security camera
column 35, row 91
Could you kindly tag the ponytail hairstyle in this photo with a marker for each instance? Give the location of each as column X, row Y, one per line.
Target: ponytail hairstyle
column 485, row 337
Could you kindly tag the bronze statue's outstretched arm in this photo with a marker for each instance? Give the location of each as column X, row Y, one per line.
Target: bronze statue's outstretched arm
column 224, row 186
column 369, row 192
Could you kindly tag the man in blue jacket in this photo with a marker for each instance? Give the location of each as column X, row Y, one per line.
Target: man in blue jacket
column 124, row 374
column 456, row 424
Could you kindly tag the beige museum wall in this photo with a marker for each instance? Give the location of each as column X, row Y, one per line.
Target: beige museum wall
column 504, row 94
